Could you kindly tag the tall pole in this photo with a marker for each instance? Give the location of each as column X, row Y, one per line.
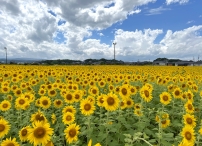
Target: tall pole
column 114, row 49
column 6, row 53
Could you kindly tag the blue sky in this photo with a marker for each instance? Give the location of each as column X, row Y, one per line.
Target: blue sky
column 143, row 30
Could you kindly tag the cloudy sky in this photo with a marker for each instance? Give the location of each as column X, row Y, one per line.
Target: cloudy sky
column 82, row 29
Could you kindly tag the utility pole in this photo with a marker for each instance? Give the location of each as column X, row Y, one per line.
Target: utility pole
column 6, row 53
column 114, row 50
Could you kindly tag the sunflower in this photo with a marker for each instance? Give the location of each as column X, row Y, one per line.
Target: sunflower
column 133, row 90
column 4, row 127
column 50, row 143
column 129, row 102
column 90, row 143
column 42, row 91
column 200, row 131
column 189, row 107
column 9, row 97
column 184, row 96
column 190, row 96
column 170, row 88
column 200, row 93
column 5, row 105
column 165, row 123
column 29, row 96
column 111, row 102
column 45, row 102
column 21, row 103
column 91, row 99
column 188, row 135
column 68, row 97
column 52, row 93
column 23, row 85
column 165, row 98
column 38, row 117
column 37, row 102
column 87, row 107
column 53, row 118
column 189, row 120
column 23, row 133
column 78, row 94
column 195, row 88
column 100, row 100
column 123, row 104
column 71, row 133
column 138, row 106
column 146, row 94
column 94, row 91
column 101, row 83
column 10, row 142
column 138, row 113
column 70, row 109
column 124, row 91
column 17, row 92
column 5, row 89
column 177, row 93
column 58, row 103
column 40, row 133
column 68, row 118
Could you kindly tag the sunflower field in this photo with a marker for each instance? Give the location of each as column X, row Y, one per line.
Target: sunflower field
column 100, row 105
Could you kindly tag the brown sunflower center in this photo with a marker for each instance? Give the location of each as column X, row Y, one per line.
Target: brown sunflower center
column 45, row 102
column 39, row 132
column 24, row 132
column 101, row 100
column 77, row 96
column 5, row 105
column 124, row 91
column 69, row 110
column 52, row 92
column 68, row 96
column 72, row 132
column 188, row 135
column 21, row 101
column 132, row 90
column 110, row 100
column 177, row 92
column 87, row 107
column 189, row 120
column 18, row 92
column 146, row 93
column 68, row 117
column 39, row 118
column 58, row 102
column 190, row 107
column 183, row 85
column 101, row 83
column 94, row 91
column 42, row 91
column 2, row 127
column 163, row 121
column 129, row 103
column 165, row 98
column 5, row 89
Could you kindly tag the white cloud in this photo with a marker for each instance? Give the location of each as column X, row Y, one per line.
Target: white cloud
column 97, row 14
column 168, row 2
column 156, row 11
column 100, row 34
column 191, row 21
column 28, row 30
column 134, row 12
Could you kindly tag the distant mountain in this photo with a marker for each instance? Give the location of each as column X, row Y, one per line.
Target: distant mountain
column 17, row 60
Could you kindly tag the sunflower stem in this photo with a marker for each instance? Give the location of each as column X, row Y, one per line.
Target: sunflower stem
column 106, row 127
column 89, row 128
